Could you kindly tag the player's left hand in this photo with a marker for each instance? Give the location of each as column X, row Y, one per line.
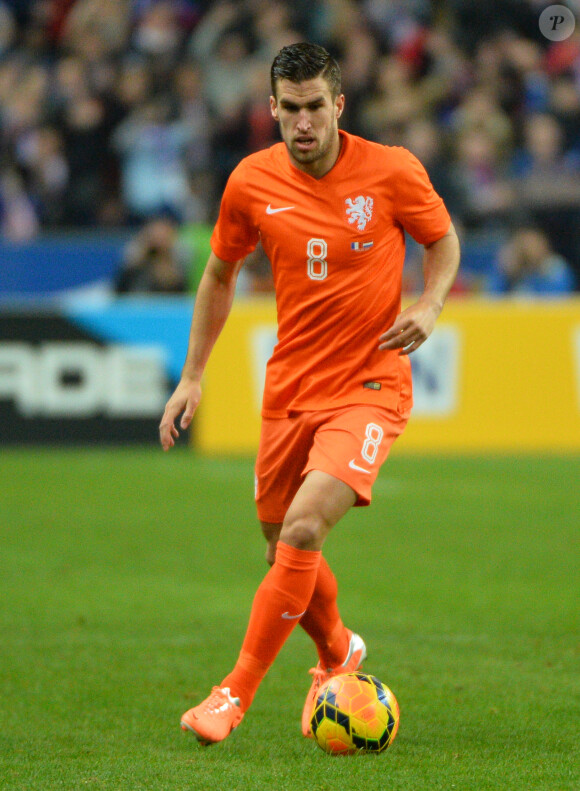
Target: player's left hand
column 412, row 327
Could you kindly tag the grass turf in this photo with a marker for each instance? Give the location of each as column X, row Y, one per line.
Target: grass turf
column 126, row 578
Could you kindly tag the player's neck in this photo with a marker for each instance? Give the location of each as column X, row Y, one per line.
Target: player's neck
column 320, row 167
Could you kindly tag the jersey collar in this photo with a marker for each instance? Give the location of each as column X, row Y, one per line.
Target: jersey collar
column 333, row 173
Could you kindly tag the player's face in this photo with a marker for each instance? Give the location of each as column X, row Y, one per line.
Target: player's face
column 308, row 118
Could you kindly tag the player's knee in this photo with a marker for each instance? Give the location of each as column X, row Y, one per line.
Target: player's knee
column 305, row 532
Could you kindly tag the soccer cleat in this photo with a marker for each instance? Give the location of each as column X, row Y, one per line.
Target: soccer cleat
column 214, row 718
column 357, row 653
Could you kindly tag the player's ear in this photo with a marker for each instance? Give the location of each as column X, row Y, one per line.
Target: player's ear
column 339, row 105
column 274, row 108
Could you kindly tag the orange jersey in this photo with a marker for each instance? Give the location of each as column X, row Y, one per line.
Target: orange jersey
column 337, row 248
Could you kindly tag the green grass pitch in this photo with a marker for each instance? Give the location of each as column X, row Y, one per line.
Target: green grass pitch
column 126, row 577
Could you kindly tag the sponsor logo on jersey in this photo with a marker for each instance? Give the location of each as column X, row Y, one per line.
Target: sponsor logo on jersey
column 359, row 210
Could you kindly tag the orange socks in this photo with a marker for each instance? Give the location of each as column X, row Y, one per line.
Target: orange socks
column 280, row 602
column 322, row 619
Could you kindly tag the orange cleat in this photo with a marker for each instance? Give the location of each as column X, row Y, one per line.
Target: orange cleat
column 357, row 653
column 214, row 718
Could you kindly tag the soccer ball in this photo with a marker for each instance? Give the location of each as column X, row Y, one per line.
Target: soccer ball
column 354, row 712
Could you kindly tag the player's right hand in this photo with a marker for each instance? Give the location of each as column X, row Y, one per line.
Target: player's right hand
column 185, row 399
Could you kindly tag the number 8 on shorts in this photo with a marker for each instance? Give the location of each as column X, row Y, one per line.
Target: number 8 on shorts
column 370, row 448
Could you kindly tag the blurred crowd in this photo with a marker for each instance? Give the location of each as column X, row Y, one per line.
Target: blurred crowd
column 121, row 112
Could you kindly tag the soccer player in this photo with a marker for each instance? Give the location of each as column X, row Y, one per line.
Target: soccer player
column 330, row 210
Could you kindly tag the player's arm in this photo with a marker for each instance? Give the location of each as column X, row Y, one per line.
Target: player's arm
column 212, row 306
column 414, row 325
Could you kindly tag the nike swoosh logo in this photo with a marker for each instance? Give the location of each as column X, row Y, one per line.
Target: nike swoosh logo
column 289, row 617
column 354, row 466
column 270, row 210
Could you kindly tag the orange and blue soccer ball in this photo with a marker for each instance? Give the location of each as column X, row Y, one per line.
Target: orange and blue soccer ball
column 353, row 713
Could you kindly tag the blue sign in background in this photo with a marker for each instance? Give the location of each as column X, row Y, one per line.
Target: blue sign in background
column 152, row 321
column 50, row 265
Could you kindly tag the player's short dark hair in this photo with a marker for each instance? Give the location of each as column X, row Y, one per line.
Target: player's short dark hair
column 303, row 61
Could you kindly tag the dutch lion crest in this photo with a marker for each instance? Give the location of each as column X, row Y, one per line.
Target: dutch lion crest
column 359, row 210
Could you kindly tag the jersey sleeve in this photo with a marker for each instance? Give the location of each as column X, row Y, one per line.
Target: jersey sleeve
column 418, row 208
column 235, row 234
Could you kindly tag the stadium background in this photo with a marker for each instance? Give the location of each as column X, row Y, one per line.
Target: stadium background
column 119, row 123
column 97, row 95
column 123, row 118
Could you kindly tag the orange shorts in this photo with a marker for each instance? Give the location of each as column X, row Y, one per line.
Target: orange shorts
column 349, row 443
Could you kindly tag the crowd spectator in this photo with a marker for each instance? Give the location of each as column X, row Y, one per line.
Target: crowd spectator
column 152, row 147
column 18, row 220
column 114, row 111
column 547, row 182
column 154, row 261
column 479, row 170
column 527, row 266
